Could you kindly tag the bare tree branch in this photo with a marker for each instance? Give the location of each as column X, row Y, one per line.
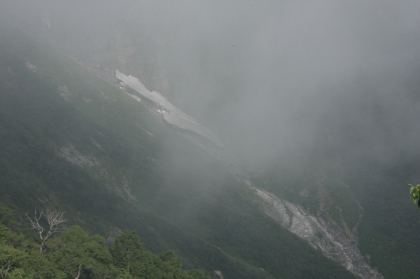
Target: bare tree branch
column 54, row 219
column 35, row 223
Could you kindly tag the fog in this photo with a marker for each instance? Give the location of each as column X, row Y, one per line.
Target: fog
column 271, row 78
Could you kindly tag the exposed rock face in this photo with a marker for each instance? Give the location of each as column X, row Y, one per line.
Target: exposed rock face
column 171, row 114
column 218, row 274
column 31, row 66
column 321, row 232
column 72, row 155
column 126, row 190
column 64, row 92
column 96, row 167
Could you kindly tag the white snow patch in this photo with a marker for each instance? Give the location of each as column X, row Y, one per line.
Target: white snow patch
column 171, row 114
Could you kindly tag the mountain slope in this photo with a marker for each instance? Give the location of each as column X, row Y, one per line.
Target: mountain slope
column 71, row 141
column 337, row 115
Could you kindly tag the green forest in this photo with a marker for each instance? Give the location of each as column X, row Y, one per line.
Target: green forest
column 72, row 253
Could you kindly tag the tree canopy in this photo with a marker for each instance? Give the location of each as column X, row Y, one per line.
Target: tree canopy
column 75, row 254
column 415, row 194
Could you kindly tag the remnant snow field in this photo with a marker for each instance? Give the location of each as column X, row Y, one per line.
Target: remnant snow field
column 171, row 114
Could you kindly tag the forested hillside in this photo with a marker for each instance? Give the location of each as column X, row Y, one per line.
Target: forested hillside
column 74, row 254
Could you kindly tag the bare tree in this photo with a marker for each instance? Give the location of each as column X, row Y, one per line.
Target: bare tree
column 53, row 217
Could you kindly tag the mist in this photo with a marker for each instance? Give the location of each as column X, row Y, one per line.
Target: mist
column 272, row 79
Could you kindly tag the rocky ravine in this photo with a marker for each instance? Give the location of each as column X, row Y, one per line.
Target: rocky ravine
column 321, row 232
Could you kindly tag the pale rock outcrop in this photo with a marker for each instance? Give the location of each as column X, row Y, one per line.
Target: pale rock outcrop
column 320, row 232
column 170, row 113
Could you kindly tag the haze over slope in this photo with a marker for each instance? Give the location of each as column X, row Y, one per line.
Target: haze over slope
column 306, row 94
column 261, row 74
column 73, row 142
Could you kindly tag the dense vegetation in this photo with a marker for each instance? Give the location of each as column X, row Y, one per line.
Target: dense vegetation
column 73, row 142
column 74, row 254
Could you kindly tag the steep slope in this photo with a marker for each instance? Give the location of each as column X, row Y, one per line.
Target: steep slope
column 332, row 227
column 329, row 187
column 355, row 153
column 73, row 142
column 349, row 173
